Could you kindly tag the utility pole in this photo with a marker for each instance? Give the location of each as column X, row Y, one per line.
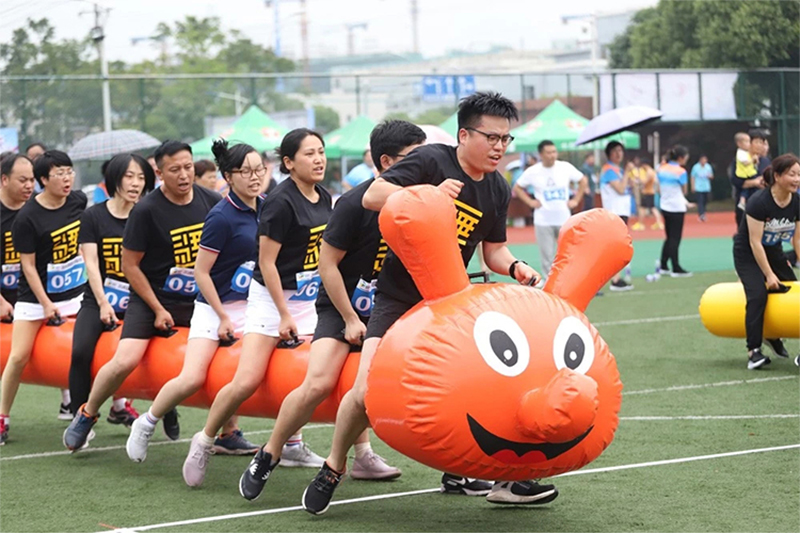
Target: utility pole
column 304, row 39
column 98, row 36
column 415, row 25
column 351, row 48
column 274, row 4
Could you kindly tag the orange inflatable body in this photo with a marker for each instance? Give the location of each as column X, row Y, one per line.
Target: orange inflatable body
column 49, row 365
column 496, row 381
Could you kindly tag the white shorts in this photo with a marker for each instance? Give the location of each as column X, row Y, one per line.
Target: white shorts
column 205, row 321
column 30, row 312
column 263, row 317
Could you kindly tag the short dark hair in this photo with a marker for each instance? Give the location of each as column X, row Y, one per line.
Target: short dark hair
column 544, row 144
column 7, row 163
column 47, row 161
column 757, row 133
column 779, row 166
column 676, row 152
column 169, row 148
column 291, row 144
column 610, row 146
column 115, row 168
column 228, row 158
column 35, row 144
column 475, row 106
column 391, row 137
column 203, row 166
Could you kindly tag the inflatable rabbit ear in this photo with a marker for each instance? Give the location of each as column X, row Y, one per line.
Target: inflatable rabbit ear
column 419, row 225
column 592, row 247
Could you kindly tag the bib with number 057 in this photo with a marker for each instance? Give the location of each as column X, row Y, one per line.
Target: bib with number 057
column 181, row 281
column 118, row 294
column 242, row 277
column 10, row 278
column 63, row 277
column 364, row 296
column 307, row 286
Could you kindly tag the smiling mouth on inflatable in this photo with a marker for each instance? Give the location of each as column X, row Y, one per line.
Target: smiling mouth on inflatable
column 511, row 452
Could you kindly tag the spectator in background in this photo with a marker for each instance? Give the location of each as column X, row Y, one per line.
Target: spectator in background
column 270, row 182
column 100, row 194
column 672, row 181
column 33, row 151
column 648, row 197
column 702, row 174
column 205, row 175
column 360, row 173
column 746, row 178
column 636, row 176
column 615, row 193
column 152, row 160
column 590, row 171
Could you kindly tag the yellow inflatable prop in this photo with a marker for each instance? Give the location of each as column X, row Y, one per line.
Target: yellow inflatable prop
column 722, row 309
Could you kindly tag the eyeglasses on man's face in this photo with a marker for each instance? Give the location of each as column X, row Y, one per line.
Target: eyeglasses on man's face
column 494, row 138
column 63, row 173
column 248, row 172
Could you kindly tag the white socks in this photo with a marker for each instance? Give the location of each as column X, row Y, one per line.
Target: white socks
column 119, row 404
column 66, row 399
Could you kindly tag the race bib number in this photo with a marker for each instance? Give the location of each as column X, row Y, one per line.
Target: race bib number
column 181, row 281
column 66, row 276
column 242, row 277
column 553, row 195
column 364, row 297
column 307, row 286
column 10, row 278
column 771, row 238
column 118, row 293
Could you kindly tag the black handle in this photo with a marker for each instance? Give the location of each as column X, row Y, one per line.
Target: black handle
column 230, row 340
column 292, row 343
column 110, row 326
column 55, row 321
column 166, row 333
column 478, row 275
column 780, row 290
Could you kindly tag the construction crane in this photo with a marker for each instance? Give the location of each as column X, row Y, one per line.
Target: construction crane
column 351, row 27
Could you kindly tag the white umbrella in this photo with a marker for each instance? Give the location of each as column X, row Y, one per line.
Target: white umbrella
column 107, row 144
column 437, row 135
column 617, row 120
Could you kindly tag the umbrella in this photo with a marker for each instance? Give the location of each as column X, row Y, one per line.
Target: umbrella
column 106, row 144
column 254, row 127
column 351, row 140
column 617, row 120
column 437, row 135
column 451, row 125
column 561, row 125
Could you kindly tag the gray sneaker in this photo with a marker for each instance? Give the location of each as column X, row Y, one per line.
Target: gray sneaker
column 300, row 456
column 373, row 467
column 140, row 436
column 194, row 468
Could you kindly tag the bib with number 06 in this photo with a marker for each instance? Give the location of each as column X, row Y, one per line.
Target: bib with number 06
column 63, row 277
column 364, row 296
column 181, row 281
column 242, row 277
column 10, row 278
column 307, row 286
column 118, row 294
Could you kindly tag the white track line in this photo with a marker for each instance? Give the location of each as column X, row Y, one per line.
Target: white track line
column 704, row 417
column 111, row 448
column 646, row 320
column 426, row 491
column 675, row 388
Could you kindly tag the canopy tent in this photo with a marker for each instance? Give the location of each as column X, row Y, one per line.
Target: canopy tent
column 254, row 127
column 562, row 125
column 436, row 134
column 451, row 125
column 350, row 140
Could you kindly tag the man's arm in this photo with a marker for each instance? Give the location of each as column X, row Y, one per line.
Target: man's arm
column 499, row 258
column 526, row 198
column 377, row 193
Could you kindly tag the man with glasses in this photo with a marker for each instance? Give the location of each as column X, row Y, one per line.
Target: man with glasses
column 468, row 174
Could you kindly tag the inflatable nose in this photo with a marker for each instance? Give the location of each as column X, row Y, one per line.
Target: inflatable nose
column 560, row 411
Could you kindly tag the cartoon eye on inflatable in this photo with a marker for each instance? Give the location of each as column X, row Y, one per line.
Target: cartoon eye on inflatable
column 573, row 346
column 502, row 343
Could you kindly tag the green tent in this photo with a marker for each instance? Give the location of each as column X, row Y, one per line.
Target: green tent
column 254, row 127
column 350, row 140
column 562, row 125
column 451, row 125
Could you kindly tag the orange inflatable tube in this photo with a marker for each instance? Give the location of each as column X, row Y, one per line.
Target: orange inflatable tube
column 496, row 381
column 50, row 361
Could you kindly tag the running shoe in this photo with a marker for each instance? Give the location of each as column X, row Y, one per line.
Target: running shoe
column 196, row 463
column 317, row 496
column 64, row 412
column 300, row 455
column 522, row 492
column 139, row 439
column 372, row 466
column 172, row 428
column 234, row 443
column 256, row 475
column 464, row 486
column 757, row 360
column 777, row 347
column 77, row 433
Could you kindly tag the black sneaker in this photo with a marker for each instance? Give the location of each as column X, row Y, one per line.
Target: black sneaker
column 64, row 412
column 522, row 492
column 318, row 494
column 680, row 273
column 255, row 477
column 464, row 486
column 757, row 360
column 172, row 428
column 121, row 416
column 620, row 285
column 777, row 347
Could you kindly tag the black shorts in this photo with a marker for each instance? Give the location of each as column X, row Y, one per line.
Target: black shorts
column 648, row 200
column 385, row 312
column 330, row 325
column 139, row 318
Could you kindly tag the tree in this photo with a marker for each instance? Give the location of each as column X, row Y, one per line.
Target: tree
column 327, row 119
column 435, row 116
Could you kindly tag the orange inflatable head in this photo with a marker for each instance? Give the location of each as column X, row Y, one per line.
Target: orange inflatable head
column 496, row 381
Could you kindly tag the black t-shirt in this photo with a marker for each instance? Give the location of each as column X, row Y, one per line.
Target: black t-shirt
column 8, row 255
column 481, row 206
column 100, row 227
column 52, row 234
column 779, row 223
column 169, row 235
column 291, row 219
column 354, row 229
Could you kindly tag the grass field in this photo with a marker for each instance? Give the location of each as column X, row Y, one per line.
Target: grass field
column 688, row 401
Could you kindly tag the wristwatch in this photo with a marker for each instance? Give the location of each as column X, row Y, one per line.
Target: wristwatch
column 513, row 267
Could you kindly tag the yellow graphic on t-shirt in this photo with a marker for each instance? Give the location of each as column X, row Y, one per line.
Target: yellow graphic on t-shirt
column 185, row 242
column 112, row 256
column 65, row 242
column 10, row 255
column 467, row 219
column 381, row 255
column 312, row 251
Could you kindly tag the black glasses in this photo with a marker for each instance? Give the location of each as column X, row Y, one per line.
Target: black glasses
column 494, row 138
column 248, row 172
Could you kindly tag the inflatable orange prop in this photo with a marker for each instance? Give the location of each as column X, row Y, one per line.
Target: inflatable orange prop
column 496, row 381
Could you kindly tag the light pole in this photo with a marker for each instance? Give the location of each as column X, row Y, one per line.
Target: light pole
column 98, row 36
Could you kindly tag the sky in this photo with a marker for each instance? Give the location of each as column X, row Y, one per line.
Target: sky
column 443, row 24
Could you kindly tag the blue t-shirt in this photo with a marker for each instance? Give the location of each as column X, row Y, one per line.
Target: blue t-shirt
column 700, row 173
column 230, row 231
column 358, row 175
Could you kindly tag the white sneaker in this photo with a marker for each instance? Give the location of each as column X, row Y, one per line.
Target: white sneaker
column 196, row 463
column 300, row 456
column 140, row 436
